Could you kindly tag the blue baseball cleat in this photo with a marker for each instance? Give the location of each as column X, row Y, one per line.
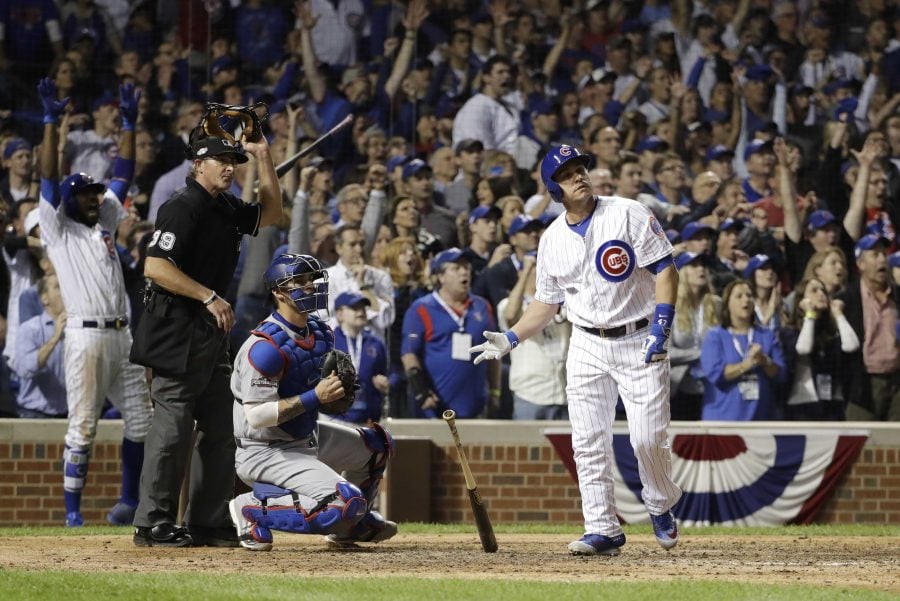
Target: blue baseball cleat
column 74, row 519
column 666, row 530
column 597, row 544
column 121, row 515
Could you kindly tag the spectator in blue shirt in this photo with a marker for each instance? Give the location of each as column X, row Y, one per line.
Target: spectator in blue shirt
column 438, row 331
column 742, row 362
column 39, row 352
column 760, row 160
column 368, row 354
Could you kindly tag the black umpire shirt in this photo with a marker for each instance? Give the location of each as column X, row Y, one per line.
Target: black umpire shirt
column 201, row 235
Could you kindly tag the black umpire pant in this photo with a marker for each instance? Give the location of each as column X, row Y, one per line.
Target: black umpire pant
column 202, row 393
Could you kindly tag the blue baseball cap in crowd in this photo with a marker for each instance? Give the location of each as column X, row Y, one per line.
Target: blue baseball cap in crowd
column 868, row 242
column 106, row 98
column 756, row 146
column 674, row 236
column 758, row 72
column 652, row 143
column 222, row 63
column 718, row 153
column 819, row 219
column 14, row 146
column 523, row 223
column 350, row 299
column 451, row 255
column 692, row 228
column 893, row 260
column 847, row 105
column 541, row 106
column 413, row 167
column 838, row 84
column 395, row 162
column 686, row 258
column 756, row 262
column 469, row 145
column 484, row 212
column 730, row 223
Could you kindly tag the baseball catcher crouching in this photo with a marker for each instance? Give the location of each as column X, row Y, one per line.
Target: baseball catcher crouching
column 307, row 477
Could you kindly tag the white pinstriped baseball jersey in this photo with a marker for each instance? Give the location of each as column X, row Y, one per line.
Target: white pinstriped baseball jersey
column 599, row 276
column 86, row 262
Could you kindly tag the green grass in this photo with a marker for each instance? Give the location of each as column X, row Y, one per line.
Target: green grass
column 537, row 528
column 23, row 586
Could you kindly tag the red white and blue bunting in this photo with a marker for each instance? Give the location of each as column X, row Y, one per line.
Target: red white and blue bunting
column 746, row 479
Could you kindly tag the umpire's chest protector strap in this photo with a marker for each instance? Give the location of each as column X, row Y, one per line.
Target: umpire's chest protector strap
column 296, row 363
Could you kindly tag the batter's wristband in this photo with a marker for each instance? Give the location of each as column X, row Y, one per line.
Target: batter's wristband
column 664, row 315
column 513, row 339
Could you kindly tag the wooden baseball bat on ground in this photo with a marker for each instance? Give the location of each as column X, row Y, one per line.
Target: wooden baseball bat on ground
column 485, row 529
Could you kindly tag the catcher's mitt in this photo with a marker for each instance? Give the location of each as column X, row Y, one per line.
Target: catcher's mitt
column 225, row 120
column 339, row 362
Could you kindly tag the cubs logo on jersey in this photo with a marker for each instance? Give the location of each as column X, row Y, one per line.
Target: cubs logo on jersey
column 615, row 261
column 656, row 228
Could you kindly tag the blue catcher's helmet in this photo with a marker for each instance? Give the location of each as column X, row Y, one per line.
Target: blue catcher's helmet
column 286, row 268
column 555, row 159
column 72, row 186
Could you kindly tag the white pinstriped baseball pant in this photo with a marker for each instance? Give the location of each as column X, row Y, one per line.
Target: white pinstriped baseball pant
column 600, row 369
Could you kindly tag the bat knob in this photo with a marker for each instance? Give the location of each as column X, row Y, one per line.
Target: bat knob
column 449, row 414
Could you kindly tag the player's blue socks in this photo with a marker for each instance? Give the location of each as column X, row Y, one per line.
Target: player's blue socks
column 132, row 461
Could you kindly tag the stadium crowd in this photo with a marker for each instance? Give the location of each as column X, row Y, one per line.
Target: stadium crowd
column 764, row 135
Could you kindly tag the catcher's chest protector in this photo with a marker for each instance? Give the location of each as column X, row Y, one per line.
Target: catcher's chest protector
column 302, row 358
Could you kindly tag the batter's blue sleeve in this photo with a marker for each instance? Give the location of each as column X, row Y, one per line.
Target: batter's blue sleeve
column 122, row 174
column 660, row 265
column 50, row 192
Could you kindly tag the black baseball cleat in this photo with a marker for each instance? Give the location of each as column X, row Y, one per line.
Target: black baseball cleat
column 206, row 536
column 162, row 535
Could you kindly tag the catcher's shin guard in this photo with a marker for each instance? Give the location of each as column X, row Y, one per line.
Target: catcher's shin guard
column 337, row 513
column 380, row 442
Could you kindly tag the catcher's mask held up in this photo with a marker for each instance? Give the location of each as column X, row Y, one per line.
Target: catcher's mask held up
column 229, row 122
column 302, row 278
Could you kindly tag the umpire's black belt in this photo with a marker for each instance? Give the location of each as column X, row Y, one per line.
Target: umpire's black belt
column 105, row 324
column 617, row 332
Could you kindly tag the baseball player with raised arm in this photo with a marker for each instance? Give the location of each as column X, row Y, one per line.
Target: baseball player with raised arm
column 294, row 463
column 78, row 220
column 609, row 261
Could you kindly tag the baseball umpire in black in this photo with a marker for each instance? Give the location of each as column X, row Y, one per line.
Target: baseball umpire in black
column 183, row 337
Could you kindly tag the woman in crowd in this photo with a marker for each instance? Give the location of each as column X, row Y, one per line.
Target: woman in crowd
column 698, row 311
column 760, row 272
column 829, row 267
column 510, row 208
column 814, row 341
column 488, row 190
column 742, row 362
column 404, row 222
column 403, row 262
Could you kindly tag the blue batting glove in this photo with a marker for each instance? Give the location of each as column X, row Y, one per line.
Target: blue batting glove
column 53, row 108
column 129, row 99
column 656, row 345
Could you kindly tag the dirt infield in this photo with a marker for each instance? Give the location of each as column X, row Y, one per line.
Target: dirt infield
column 867, row 562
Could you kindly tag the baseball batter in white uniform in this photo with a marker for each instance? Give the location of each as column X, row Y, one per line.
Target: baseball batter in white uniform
column 609, row 261
column 78, row 229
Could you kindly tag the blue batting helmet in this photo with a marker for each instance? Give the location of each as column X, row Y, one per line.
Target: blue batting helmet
column 553, row 162
column 74, row 185
column 286, row 268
